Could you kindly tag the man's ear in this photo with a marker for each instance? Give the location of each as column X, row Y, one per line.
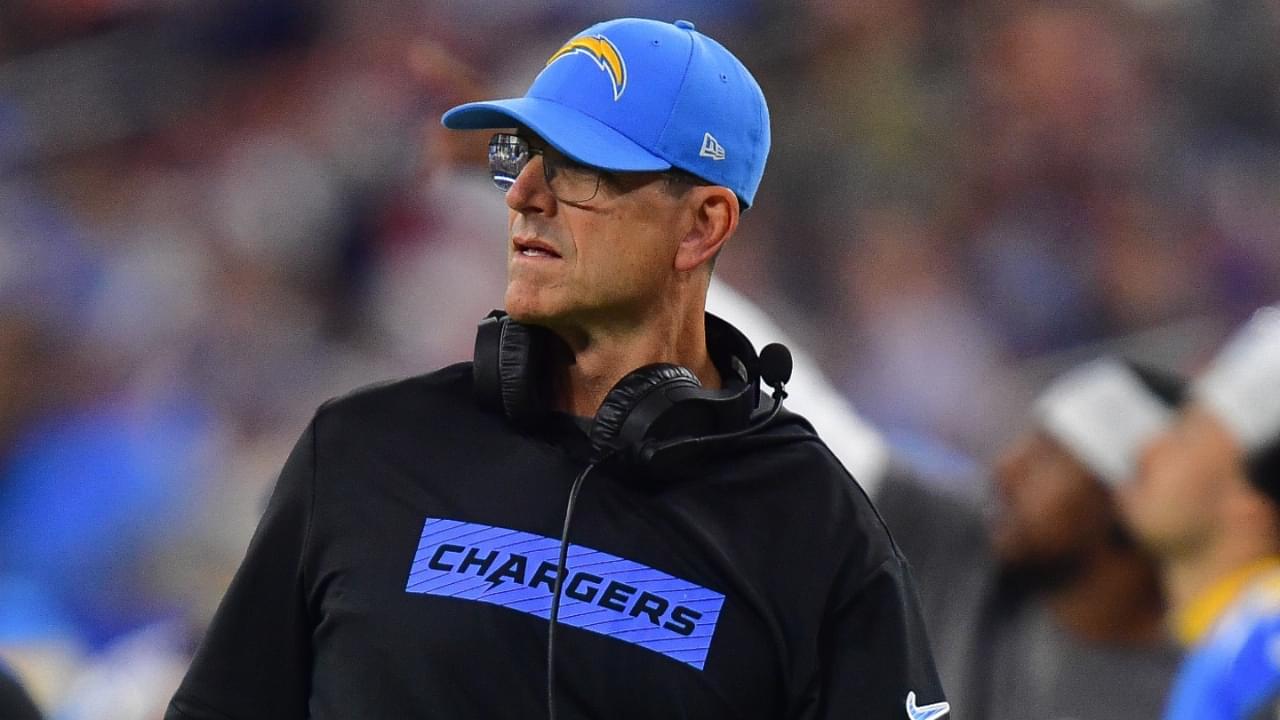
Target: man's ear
column 715, row 218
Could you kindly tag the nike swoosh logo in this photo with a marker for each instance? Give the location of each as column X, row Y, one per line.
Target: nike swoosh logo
column 932, row 711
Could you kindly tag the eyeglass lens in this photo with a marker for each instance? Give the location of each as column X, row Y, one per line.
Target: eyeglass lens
column 570, row 181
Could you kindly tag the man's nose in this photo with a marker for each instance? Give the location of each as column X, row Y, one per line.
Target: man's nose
column 530, row 192
column 1147, row 459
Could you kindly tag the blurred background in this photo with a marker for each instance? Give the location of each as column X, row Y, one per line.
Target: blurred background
column 216, row 214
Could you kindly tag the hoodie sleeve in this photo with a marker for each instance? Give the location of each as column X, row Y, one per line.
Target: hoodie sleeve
column 877, row 660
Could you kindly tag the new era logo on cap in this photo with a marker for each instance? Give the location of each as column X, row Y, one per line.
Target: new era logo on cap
column 711, row 148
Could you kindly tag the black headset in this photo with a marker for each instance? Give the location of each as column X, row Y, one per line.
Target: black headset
column 658, row 414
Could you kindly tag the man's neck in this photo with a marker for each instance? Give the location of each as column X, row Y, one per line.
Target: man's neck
column 1114, row 598
column 1202, row 585
column 596, row 359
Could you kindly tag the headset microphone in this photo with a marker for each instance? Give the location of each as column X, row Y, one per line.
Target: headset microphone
column 775, row 371
column 775, row 365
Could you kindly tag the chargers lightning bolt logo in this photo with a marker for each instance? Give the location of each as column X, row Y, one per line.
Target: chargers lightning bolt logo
column 605, row 55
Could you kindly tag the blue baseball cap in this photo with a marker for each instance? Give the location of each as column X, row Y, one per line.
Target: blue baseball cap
column 634, row 95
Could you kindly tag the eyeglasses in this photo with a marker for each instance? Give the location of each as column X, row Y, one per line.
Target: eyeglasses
column 570, row 182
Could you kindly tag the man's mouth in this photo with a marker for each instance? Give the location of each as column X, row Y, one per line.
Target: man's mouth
column 532, row 247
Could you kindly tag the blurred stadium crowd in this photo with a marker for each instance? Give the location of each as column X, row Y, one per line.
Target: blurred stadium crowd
column 215, row 215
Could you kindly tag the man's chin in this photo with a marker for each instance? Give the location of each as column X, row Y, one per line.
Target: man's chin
column 1008, row 553
column 526, row 305
column 1034, row 572
column 528, row 314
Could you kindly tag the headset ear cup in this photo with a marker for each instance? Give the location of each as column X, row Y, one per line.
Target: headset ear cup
column 519, row 353
column 506, row 367
column 617, row 428
column 486, row 379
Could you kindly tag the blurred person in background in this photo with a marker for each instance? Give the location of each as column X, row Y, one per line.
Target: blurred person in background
column 1207, row 503
column 637, row 147
column 1049, row 609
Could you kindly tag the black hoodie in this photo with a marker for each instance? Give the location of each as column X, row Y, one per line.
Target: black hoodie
column 404, row 564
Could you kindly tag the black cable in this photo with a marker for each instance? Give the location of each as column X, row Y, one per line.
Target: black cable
column 778, row 377
column 561, row 570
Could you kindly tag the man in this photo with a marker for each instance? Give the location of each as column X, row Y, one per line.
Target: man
column 598, row 463
column 1053, row 612
column 1207, row 504
column 1047, row 609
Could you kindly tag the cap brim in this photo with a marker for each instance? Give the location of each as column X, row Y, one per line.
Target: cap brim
column 581, row 137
